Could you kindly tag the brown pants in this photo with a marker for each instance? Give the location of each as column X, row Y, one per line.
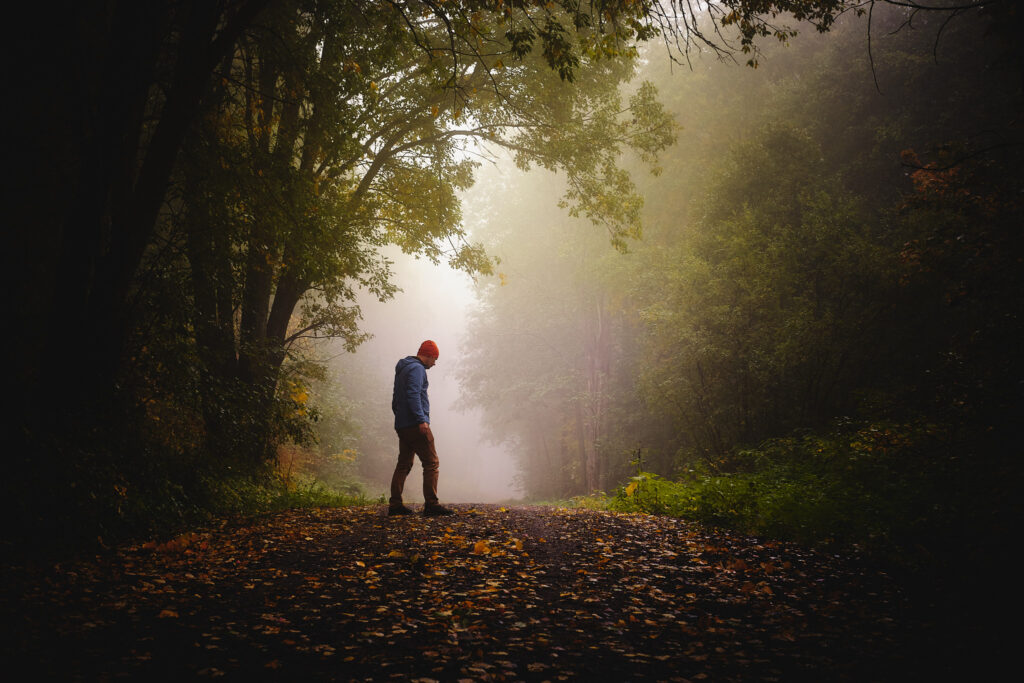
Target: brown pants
column 410, row 442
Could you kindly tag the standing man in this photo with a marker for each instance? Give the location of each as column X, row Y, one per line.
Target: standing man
column 412, row 422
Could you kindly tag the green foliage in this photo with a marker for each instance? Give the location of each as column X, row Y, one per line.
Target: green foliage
column 892, row 489
column 314, row 146
column 793, row 273
column 594, row 501
column 243, row 495
column 816, row 340
column 321, row 147
column 156, row 493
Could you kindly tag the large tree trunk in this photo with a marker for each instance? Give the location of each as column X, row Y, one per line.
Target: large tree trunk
column 208, row 253
column 123, row 172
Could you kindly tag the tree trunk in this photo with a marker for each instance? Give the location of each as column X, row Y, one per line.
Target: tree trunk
column 113, row 210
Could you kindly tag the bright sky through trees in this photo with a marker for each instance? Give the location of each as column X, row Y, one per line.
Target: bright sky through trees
column 433, row 304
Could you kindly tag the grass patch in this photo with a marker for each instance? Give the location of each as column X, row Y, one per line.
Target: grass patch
column 903, row 490
column 249, row 495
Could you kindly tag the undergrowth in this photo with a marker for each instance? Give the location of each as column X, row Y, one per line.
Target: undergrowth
column 896, row 490
column 246, row 495
column 72, row 512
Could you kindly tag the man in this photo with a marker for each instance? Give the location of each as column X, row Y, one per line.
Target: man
column 411, row 407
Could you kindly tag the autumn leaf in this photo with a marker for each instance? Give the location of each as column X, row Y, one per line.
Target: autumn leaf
column 622, row 591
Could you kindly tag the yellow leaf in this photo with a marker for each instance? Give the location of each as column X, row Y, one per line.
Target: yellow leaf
column 631, row 489
column 396, row 553
column 481, row 547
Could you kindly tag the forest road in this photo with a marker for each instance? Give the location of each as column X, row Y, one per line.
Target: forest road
column 488, row 594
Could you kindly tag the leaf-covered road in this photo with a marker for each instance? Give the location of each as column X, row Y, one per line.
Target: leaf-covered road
column 526, row 593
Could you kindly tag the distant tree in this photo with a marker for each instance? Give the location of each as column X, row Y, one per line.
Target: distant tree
column 771, row 292
column 546, row 352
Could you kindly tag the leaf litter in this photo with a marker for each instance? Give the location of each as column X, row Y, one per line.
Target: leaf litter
column 489, row 594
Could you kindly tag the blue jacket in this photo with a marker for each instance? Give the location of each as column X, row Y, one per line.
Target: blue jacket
column 409, row 401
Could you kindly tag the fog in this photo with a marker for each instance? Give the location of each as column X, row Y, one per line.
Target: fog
column 433, row 304
column 785, row 303
column 588, row 362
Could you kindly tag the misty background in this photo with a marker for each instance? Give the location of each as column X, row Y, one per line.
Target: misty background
column 785, row 300
column 793, row 264
column 435, row 303
column 761, row 274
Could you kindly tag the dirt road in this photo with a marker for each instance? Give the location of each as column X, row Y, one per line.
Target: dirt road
column 516, row 594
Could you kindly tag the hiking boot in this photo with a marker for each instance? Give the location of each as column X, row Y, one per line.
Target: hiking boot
column 398, row 510
column 436, row 510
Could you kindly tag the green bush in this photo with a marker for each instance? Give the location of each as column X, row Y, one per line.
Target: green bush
column 317, row 494
column 247, row 495
column 883, row 487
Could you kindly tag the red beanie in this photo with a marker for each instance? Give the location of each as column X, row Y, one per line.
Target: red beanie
column 428, row 348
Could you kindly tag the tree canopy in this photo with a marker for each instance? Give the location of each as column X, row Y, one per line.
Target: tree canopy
column 209, row 183
column 226, row 175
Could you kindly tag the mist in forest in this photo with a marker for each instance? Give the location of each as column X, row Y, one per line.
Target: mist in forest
column 433, row 303
column 800, row 274
column 785, row 300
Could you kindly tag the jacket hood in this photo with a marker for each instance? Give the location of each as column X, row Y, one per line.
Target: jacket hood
column 402, row 364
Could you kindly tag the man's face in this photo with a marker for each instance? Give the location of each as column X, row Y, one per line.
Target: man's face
column 428, row 361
